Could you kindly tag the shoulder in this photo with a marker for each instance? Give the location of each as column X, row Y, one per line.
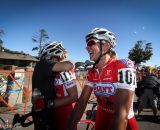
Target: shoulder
column 45, row 64
column 126, row 74
column 67, row 76
column 90, row 74
column 90, row 71
column 44, row 68
column 126, row 66
column 125, row 63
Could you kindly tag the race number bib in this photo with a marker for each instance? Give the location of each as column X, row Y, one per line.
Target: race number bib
column 66, row 76
column 127, row 78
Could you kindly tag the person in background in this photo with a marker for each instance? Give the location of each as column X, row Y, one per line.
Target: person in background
column 113, row 82
column 158, row 72
column 150, row 84
column 43, row 86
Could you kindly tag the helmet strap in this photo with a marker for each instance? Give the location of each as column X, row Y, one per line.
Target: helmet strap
column 100, row 56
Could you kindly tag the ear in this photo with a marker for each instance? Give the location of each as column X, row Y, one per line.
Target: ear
column 106, row 44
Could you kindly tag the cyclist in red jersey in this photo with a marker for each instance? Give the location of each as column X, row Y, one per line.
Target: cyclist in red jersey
column 54, row 78
column 113, row 82
column 66, row 93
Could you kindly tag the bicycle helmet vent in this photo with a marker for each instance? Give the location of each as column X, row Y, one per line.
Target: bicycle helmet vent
column 52, row 49
column 102, row 34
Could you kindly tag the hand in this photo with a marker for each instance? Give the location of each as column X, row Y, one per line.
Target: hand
column 63, row 66
column 69, row 65
column 39, row 104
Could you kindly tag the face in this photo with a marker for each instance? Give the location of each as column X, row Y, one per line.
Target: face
column 93, row 49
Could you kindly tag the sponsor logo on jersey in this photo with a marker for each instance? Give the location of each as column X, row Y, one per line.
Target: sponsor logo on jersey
column 108, row 72
column 69, row 83
column 110, row 78
column 104, row 89
column 57, row 81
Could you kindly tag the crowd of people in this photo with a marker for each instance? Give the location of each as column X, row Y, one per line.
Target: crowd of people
column 113, row 82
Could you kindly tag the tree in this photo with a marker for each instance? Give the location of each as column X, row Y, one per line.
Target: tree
column 1, row 41
column 88, row 63
column 40, row 38
column 139, row 53
column 78, row 64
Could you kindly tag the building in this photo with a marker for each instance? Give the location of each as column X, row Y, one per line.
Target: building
column 15, row 58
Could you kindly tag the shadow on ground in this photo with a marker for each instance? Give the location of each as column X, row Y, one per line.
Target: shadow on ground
column 148, row 118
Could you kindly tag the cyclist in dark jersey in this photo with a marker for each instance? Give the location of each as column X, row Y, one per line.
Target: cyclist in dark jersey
column 43, row 79
column 113, row 82
column 150, row 85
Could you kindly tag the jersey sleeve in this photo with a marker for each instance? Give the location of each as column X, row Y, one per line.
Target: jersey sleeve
column 126, row 75
column 89, row 82
column 68, row 79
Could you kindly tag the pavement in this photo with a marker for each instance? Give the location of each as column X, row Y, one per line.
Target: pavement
column 146, row 123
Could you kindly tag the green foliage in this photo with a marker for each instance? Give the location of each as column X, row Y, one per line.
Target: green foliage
column 1, row 41
column 78, row 64
column 35, row 48
column 88, row 63
column 1, row 32
column 40, row 38
column 139, row 53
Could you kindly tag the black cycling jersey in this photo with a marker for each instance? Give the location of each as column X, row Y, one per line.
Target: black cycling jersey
column 43, row 79
column 150, row 81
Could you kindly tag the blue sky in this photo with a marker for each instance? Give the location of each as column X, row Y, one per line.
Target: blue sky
column 70, row 20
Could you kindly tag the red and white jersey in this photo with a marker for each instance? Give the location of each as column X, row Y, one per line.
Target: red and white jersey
column 116, row 74
column 64, row 81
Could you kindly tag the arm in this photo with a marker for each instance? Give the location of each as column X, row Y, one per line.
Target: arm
column 79, row 108
column 158, row 81
column 123, row 103
column 72, row 97
column 63, row 66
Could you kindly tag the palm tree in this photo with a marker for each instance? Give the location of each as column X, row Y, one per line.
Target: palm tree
column 1, row 41
column 40, row 38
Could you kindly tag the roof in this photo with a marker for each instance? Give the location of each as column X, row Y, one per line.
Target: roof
column 16, row 56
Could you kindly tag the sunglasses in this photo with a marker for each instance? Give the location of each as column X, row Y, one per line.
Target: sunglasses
column 92, row 42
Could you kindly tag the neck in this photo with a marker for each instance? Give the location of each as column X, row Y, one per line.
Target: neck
column 103, row 61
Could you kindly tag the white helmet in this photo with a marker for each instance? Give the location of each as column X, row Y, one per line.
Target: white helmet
column 52, row 49
column 102, row 34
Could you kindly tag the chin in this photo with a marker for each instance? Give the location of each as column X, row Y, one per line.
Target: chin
column 92, row 58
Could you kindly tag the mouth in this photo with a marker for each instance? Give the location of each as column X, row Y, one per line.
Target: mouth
column 90, row 53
